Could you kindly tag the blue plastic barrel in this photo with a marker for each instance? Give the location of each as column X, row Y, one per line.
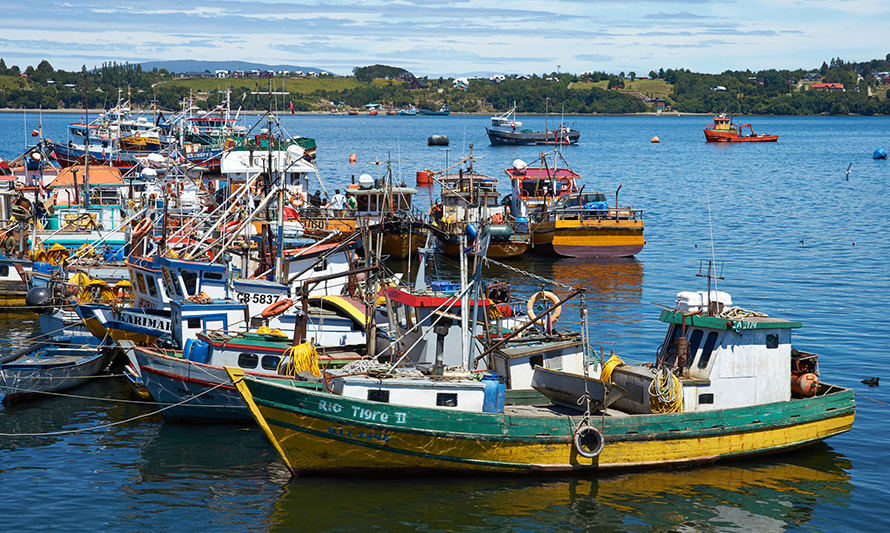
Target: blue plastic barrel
column 495, row 394
column 471, row 232
column 880, row 154
column 196, row 350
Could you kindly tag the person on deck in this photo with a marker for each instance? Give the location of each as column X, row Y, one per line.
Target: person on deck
column 337, row 203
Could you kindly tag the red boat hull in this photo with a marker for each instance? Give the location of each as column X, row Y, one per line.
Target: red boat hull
column 712, row 136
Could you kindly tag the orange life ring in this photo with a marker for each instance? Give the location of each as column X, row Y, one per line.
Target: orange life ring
column 277, row 308
column 142, row 228
column 530, row 306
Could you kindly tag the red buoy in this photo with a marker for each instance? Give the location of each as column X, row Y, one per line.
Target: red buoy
column 424, row 177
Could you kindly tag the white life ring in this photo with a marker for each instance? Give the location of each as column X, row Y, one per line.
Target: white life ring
column 530, row 306
column 588, row 441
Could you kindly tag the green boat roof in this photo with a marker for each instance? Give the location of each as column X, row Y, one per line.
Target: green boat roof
column 715, row 322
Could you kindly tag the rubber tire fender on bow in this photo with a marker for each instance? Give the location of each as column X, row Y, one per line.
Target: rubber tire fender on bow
column 277, row 308
column 584, row 433
column 530, row 306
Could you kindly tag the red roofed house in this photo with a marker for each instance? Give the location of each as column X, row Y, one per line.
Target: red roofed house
column 828, row 87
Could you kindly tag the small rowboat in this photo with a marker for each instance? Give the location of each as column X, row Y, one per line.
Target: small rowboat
column 568, row 389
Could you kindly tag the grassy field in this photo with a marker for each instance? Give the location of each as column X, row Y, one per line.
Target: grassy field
column 14, row 82
column 651, row 88
column 291, row 85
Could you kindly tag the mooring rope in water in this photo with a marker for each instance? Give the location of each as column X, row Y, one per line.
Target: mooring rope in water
column 529, row 274
column 119, row 422
column 871, row 399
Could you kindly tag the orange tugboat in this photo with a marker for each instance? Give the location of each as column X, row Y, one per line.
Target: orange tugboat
column 724, row 131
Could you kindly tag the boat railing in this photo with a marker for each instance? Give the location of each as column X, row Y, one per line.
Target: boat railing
column 580, row 213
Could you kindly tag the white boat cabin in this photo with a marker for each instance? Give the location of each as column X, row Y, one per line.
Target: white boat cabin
column 722, row 360
column 458, row 394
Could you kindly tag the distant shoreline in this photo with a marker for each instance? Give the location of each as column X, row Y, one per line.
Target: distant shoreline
column 328, row 113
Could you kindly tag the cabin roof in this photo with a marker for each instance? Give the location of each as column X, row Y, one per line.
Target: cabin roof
column 99, row 175
column 541, row 173
column 381, row 190
column 715, row 322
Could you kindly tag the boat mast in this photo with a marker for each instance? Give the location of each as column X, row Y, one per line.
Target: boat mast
column 464, row 303
column 86, row 144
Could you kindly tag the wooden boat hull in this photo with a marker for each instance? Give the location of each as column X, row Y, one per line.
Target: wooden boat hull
column 204, row 388
column 50, row 367
column 532, row 138
column 496, row 249
column 598, row 238
column 712, row 136
column 317, row 432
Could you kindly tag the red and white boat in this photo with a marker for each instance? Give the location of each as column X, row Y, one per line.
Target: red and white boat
column 724, row 131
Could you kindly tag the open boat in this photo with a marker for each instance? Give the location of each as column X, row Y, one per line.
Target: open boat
column 52, row 366
column 506, row 130
column 735, row 388
column 724, row 131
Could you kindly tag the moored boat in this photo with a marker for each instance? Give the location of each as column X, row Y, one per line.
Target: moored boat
column 736, row 388
column 567, row 221
column 505, row 130
column 723, row 130
column 52, row 366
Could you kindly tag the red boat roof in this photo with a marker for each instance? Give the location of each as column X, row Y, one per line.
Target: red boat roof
column 540, row 172
column 423, row 300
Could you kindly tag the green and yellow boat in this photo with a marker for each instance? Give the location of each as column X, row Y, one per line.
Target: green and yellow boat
column 726, row 385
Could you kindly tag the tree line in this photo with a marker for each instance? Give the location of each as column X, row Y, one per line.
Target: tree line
column 771, row 91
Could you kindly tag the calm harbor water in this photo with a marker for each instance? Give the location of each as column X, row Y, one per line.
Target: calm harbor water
column 796, row 240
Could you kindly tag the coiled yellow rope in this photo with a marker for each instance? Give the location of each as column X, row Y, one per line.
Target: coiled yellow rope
column 665, row 393
column 609, row 366
column 300, row 358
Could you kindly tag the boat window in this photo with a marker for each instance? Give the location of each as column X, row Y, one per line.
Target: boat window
column 247, row 360
column 152, row 285
column 4, row 270
column 378, row 396
column 446, row 399
column 213, row 275
column 167, row 285
column 401, row 315
column 668, row 349
column 270, row 362
column 772, row 341
column 694, row 342
column 190, row 280
column 172, row 283
column 707, row 397
column 361, row 203
column 708, row 349
column 140, row 283
column 195, row 323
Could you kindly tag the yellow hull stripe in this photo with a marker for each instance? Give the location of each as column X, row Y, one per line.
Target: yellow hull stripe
column 309, row 443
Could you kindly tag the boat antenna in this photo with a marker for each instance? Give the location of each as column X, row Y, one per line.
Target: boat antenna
column 713, row 262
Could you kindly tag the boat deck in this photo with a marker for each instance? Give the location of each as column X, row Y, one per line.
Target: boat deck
column 551, row 410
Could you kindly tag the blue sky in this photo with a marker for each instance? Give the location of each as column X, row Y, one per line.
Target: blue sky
column 450, row 37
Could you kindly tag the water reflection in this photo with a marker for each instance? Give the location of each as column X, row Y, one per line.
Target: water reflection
column 764, row 496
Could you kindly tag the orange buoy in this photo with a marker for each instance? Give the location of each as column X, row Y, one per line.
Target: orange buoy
column 656, row 139
column 34, row 133
column 424, row 177
column 352, row 158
